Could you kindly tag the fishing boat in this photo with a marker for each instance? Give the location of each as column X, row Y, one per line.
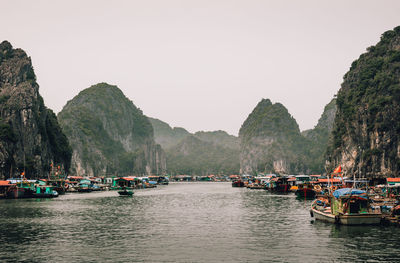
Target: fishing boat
column 45, row 191
column 125, row 192
column 256, row 186
column 346, row 206
column 305, row 191
column 21, row 188
column 278, row 185
column 238, row 183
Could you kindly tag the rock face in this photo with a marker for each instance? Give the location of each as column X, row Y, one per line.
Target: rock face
column 30, row 137
column 270, row 141
column 367, row 123
column 318, row 138
column 109, row 135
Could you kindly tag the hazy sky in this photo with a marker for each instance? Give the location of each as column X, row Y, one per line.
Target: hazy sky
column 201, row 65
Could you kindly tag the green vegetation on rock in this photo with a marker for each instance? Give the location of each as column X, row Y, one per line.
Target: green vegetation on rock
column 30, row 136
column 271, row 142
column 367, row 124
column 201, row 153
column 109, row 134
column 195, row 156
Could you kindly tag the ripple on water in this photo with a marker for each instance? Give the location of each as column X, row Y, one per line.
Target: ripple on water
column 183, row 222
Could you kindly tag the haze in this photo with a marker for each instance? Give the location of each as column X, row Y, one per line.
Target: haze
column 201, row 65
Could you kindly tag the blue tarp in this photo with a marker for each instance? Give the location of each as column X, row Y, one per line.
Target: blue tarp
column 347, row 191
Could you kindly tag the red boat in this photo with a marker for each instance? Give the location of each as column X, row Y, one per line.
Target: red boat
column 238, row 183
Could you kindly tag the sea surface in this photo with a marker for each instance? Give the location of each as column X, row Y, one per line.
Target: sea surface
column 183, row 222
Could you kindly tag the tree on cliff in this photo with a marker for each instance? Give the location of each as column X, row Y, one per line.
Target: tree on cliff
column 366, row 133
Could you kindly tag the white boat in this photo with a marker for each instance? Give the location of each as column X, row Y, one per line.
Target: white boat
column 346, row 206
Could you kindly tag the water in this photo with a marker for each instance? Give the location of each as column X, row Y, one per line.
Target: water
column 183, row 222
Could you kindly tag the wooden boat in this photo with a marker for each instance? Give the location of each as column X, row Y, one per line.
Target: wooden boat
column 346, row 206
column 21, row 189
column 17, row 192
column 45, row 191
column 255, row 186
column 238, row 183
column 279, row 185
column 125, row 192
column 84, row 189
column 305, row 191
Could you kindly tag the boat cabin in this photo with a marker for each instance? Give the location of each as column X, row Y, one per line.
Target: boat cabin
column 349, row 201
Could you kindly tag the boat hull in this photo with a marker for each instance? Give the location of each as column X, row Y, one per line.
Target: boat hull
column 305, row 193
column 125, row 193
column 351, row 219
column 19, row 192
column 238, row 184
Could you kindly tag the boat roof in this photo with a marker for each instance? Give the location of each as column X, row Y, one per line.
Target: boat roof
column 348, row 191
column 302, row 175
column 326, row 180
column 393, row 180
column 4, row 182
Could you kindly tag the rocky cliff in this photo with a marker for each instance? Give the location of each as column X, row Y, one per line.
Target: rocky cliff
column 109, row 134
column 271, row 142
column 367, row 123
column 317, row 139
column 30, row 137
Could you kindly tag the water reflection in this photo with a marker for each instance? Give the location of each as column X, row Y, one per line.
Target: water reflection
column 183, row 222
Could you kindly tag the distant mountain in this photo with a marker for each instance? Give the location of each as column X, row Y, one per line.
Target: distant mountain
column 324, row 126
column 220, row 138
column 199, row 153
column 319, row 138
column 30, row 136
column 195, row 156
column 109, row 134
column 366, row 133
column 271, row 142
column 165, row 135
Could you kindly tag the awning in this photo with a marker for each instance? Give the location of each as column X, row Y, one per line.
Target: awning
column 393, row 180
column 4, row 182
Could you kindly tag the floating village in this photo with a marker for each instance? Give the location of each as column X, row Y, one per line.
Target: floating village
column 336, row 198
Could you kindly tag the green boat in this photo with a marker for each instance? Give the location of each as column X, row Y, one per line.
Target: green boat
column 125, row 192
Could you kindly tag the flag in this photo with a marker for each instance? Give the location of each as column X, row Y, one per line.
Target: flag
column 338, row 170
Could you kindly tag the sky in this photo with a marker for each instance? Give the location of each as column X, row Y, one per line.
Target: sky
column 201, row 65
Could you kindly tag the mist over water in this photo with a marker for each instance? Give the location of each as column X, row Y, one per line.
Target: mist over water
column 183, row 222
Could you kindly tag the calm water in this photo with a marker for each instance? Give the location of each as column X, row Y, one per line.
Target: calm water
column 183, row 222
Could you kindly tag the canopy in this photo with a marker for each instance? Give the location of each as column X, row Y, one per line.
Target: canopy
column 347, row 191
column 4, row 183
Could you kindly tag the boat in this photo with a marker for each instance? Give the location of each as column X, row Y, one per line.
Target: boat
column 16, row 192
column 346, row 206
column 305, row 191
column 278, row 185
column 4, row 186
column 238, row 183
column 125, row 192
column 256, row 186
column 21, row 188
column 45, row 191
